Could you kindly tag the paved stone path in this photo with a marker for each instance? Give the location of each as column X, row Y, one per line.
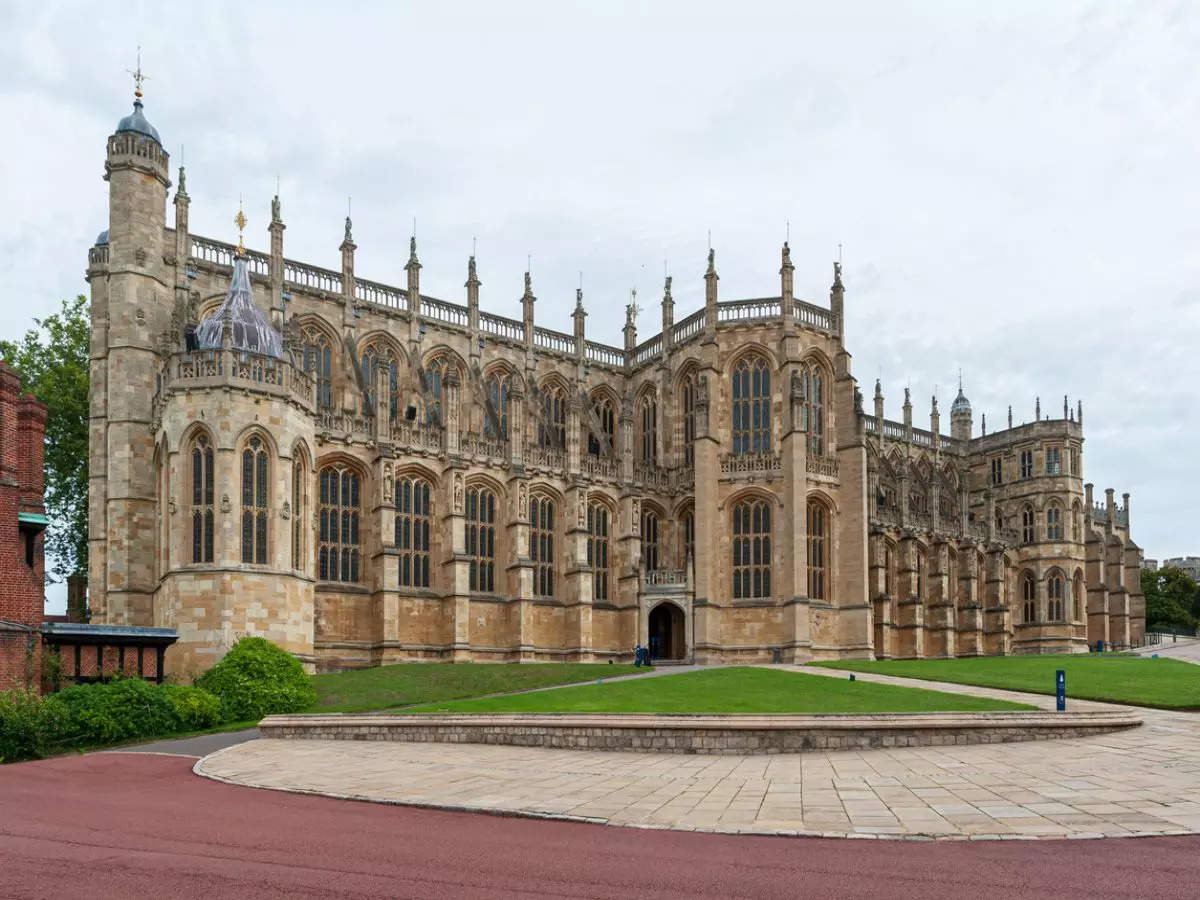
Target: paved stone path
column 1139, row 782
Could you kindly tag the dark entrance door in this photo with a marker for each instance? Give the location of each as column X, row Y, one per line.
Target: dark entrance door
column 667, row 638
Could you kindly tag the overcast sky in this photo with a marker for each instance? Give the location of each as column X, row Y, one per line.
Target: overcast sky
column 1015, row 191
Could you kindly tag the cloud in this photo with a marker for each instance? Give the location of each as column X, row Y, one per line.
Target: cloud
column 1014, row 189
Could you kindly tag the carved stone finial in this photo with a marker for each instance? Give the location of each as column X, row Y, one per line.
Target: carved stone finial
column 787, row 256
column 348, row 224
column 471, row 274
column 907, row 398
column 631, row 308
column 275, row 210
column 837, row 276
column 712, row 262
column 182, row 192
column 412, row 248
column 667, row 288
column 528, row 287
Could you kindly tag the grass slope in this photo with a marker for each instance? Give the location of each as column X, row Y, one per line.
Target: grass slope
column 737, row 689
column 1136, row 680
column 386, row 687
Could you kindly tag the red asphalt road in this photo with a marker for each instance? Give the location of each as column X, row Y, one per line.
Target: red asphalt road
column 136, row 826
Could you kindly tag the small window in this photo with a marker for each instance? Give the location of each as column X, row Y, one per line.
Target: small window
column 1054, row 524
column 1055, row 590
column 650, row 541
column 541, row 545
column 1027, row 525
column 997, row 470
column 1026, row 463
column 1029, row 598
column 1075, row 470
column 1053, row 460
column 597, row 548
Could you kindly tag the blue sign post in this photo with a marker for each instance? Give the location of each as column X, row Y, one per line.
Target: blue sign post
column 1060, row 690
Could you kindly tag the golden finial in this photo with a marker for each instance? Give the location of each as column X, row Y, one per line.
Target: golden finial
column 240, row 221
column 138, row 77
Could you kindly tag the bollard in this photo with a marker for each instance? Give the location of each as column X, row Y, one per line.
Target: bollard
column 1060, row 690
column 851, row 676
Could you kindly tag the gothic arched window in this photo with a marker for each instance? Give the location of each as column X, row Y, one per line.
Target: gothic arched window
column 541, row 544
column 751, row 406
column 1028, row 598
column 496, row 390
column 481, row 539
column 606, row 416
column 752, row 549
column 318, row 364
column 299, row 509
column 650, row 540
column 202, row 499
column 413, row 520
column 818, row 550
column 688, row 390
column 436, row 371
column 1054, row 526
column 377, row 353
column 338, row 558
column 598, row 548
column 649, row 429
column 552, row 432
column 1054, row 590
column 255, row 482
column 1028, row 520
column 813, row 383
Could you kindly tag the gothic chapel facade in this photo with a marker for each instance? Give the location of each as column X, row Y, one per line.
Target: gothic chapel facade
column 365, row 474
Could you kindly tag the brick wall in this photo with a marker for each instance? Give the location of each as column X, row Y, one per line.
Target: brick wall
column 22, row 597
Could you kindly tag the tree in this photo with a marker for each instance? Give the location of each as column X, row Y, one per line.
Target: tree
column 52, row 360
column 1172, row 598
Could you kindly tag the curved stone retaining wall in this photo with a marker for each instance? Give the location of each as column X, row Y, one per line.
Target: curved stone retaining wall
column 734, row 734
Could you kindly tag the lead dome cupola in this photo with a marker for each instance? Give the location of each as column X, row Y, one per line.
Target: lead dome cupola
column 249, row 328
column 136, row 122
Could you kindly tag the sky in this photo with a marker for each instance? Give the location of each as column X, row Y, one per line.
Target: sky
column 1013, row 190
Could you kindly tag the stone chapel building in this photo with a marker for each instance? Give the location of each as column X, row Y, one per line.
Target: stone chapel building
column 365, row 474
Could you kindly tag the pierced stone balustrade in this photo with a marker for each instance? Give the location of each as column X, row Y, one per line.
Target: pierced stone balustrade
column 750, row 463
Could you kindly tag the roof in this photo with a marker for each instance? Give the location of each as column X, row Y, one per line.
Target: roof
column 249, row 328
column 80, row 633
column 136, row 123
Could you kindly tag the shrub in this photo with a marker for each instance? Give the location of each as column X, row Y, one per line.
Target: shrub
column 194, row 708
column 257, row 678
column 29, row 728
column 118, row 710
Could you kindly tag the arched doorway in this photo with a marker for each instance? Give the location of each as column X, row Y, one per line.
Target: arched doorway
column 667, row 637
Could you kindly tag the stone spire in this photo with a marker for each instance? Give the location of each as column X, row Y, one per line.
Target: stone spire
column 631, row 314
column 787, row 316
column 472, row 286
column 668, row 315
column 710, row 293
column 837, row 298
column 348, row 247
column 578, row 317
column 413, row 268
column 1037, row 409
column 879, row 407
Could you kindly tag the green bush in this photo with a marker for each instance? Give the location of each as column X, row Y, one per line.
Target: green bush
column 194, row 708
column 118, row 710
column 28, row 729
column 257, row 678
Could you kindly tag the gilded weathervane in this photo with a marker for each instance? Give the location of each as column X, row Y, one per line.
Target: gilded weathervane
column 240, row 221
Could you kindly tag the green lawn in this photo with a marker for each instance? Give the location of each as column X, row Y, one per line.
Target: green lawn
column 1136, row 680
column 387, row 687
column 737, row 689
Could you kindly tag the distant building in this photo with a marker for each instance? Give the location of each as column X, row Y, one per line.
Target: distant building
column 1151, row 564
column 1189, row 564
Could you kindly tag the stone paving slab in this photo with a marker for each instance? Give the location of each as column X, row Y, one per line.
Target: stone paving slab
column 1143, row 781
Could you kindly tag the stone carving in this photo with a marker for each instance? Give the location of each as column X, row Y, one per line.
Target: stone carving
column 522, row 501
column 387, row 482
column 139, row 256
column 225, row 504
column 702, row 392
column 797, row 386
column 637, row 516
column 172, row 506
column 140, row 315
column 458, row 492
column 285, row 512
column 316, row 519
column 582, row 507
column 274, row 202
